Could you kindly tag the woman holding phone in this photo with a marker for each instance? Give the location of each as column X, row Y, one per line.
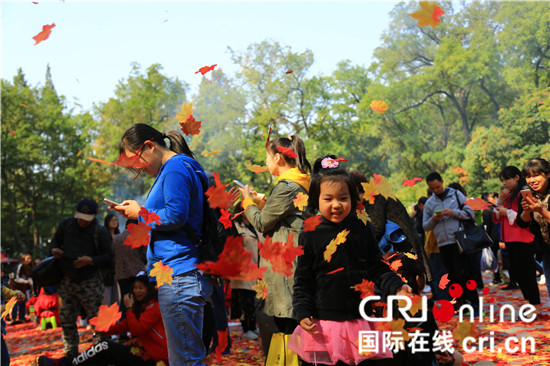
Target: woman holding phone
column 176, row 196
column 518, row 240
column 536, row 211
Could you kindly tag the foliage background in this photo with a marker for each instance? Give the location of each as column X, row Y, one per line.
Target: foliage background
column 472, row 93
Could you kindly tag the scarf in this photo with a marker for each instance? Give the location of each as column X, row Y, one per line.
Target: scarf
column 295, row 175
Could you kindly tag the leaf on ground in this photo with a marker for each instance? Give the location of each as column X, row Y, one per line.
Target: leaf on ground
column 162, row 272
column 106, row 316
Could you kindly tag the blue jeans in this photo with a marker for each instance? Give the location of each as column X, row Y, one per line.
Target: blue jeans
column 182, row 308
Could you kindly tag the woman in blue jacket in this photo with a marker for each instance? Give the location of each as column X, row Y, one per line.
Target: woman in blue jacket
column 176, row 196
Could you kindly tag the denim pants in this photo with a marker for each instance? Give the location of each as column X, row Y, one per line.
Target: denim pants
column 182, row 308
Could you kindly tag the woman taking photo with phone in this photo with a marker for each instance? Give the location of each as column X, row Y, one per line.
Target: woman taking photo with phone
column 518, row 240
column 176, row 196
column 536, row 213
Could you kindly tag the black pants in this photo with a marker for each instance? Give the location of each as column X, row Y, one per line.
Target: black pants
column 243, row 307
column 523, row 270
column 109, row 353
column 460, row 271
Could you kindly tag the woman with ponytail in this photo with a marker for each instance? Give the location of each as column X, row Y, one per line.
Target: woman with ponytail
column 176, row 196
column 279, row 218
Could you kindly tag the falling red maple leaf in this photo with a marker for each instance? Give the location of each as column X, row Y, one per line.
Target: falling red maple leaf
column 281, row 256
column 268, row 136
column 42, row 36
column 234, row 262
column 444, row 281
column 477, row 204
column 335, row 271
column 12, row 133
column 106, row 316
column 133, row 162
column 287, row 152
column 311, row 223
column 222, row 343
column 428, row 15
column 289, row 71
column 411, row 182
column 191, row 127
column 225, row 218
column 203, row 70
column 149, row 217
column 217, row 196
column 140, row 235
column 395, row 265
column 99, row 161
column 366, row 288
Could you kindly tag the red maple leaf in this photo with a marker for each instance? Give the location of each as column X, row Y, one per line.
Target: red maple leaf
column 222, row 343
column 280, row 255
column 377, row 178
column 444, row 281
column 335, row 271
column 477, row 204
column 99, row 161
column 203, row 70
column 106, row 316
column 149, row 217
column 287, row 152
column 411, row 182
column 42, row 36
column 12, row 133
column 395, row 265
column 311, row 223
column 217, row 196
column 289, row 71
column 140, row 235
column 133, row 162
column 225, row 219
column 366, row 288
column 191, row 127
column 234, row 263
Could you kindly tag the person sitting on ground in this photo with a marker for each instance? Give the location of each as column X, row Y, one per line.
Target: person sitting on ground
column 143, row 321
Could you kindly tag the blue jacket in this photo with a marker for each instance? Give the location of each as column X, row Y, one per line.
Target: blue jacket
column 177, row 197
column 444, row 229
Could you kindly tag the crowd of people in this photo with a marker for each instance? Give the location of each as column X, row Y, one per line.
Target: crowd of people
column 316, row 309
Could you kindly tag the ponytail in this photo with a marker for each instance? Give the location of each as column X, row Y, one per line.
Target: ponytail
column 135, row 137
column 296, row 144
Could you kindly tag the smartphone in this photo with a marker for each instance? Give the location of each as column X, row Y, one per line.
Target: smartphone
column 238, row 183
column 111, row 203
column 527, row 193
column 438, row 212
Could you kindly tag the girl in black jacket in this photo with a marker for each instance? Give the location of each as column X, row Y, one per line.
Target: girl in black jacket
column 340, row 253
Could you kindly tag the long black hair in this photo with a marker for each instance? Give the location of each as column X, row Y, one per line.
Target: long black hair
column 296, row 144
column 139, row 306
column 321, row 175
column 135, row 136
column 106, row 222
column 510, row 172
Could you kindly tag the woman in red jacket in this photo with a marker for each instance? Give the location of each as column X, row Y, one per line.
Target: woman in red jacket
column 143, row 321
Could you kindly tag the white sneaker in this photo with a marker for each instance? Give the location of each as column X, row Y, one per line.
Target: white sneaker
column 542, row 280
column 250, row 335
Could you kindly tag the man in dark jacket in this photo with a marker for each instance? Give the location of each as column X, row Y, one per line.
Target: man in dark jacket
column 83, row 248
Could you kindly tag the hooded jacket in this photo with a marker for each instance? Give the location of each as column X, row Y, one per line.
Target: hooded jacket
column 445, row 228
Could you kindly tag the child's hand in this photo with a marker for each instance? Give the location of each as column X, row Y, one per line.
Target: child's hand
column 308, row 325
column 405, row 290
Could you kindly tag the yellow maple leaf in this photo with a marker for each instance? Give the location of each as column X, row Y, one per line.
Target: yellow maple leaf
column 300, row 201
column 385, row 188
column 379, row 106
column 333, row 245
column 206, row 153
column 398, row 326
column 363, row 216
column 254, row 168
column 9, row 305
column 186, row 111
column 464, row 329
column 163, row 273
column 410, row 255
column 261, row 289
column 428, row 15
column 371, row 190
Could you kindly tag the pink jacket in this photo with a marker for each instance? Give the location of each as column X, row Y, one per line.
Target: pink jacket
column 512, row 233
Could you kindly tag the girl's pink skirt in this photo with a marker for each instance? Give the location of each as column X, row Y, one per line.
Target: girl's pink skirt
column 336, row 341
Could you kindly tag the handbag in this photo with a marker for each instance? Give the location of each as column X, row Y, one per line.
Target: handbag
column 470, row 237
column 47, row 273
column 279, row 354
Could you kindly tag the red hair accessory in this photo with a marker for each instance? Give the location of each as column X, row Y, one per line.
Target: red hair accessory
column 287, row 152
